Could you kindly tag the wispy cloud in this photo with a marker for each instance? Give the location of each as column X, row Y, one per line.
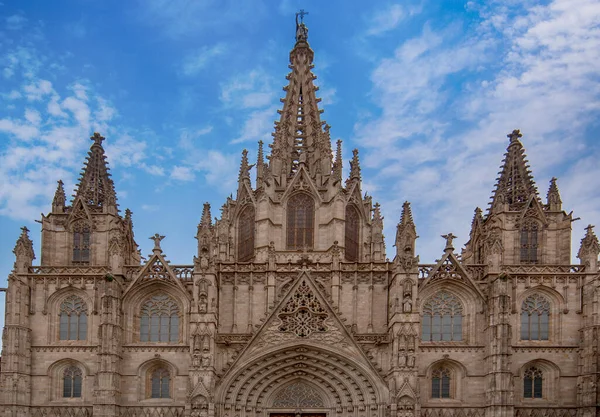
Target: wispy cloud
column 538, row 76
column 388, row 18
column 198, row 60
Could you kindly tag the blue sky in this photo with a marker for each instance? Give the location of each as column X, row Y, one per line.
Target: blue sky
column 427, row 90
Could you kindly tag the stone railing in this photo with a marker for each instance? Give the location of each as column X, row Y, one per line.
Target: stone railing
column 425, row 270
column 61, row 411
column 69, row 270
column 173, row 411
column 542, row 269
column 453, row 412
column 545, row 412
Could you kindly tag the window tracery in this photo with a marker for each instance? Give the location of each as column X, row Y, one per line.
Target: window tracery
column 81, row 243
column 442, row 318
column 246, row 234
column 159, row 319
column 352, row 233
column 529, row 243
column 533, row 383
column 72, row 382
column 298, row 395
column 73, row 319
column 303, row 314
column 160, row 382
column 535, row 318
column 300, row 221
column 440, row 383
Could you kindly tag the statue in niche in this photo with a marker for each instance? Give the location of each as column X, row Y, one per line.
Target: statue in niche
column 197, row 342
column 411, row 342
column 206, row 359
column 411, row 361
column 202, row 304
column 407, row 304
column 401, row 359
column 196, row 360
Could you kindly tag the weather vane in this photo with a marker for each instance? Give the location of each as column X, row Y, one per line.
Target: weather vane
column 301, row 29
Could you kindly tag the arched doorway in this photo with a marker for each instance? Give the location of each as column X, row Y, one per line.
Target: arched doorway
column 298, row 398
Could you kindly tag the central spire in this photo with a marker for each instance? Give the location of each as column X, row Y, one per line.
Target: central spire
column 300, row 136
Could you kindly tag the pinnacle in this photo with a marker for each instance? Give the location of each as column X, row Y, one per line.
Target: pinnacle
column 355, row 166
column 406, row 220
column 206, row 220
column 95, row 185
column 24, row 243
column 553, row 199
column 589, row 243
column 244, row 166
column 59, row 195
column 515, row 184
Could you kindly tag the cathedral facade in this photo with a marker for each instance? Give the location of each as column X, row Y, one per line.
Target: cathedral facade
column 291, row 308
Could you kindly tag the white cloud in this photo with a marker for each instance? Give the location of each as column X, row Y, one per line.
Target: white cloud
column 15, row 22
column 33, row 116
column 257, row 126
column 388, row 19
column 18, row 129
column 198, row 60
column 182, row 173
column 38, row 89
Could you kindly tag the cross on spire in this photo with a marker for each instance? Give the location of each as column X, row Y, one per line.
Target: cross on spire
column 301, row 13
column 97, row 138
column 514, row 135
column 589, row 229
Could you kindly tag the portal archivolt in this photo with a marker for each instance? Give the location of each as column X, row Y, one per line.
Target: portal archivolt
column 335, row 379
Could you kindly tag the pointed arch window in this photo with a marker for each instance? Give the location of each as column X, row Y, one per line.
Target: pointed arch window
column 81, row 243
column 529, row 243
column 442, row 318
column 160, row 383
column 535, row 318
column 159, row 321
column 352, row 233
column 73, row 319
column 440, row 383
column 533, row 380
column 72, row 382
column 246, row 234
column 300, row 222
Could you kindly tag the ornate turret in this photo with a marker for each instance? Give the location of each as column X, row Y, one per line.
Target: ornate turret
column 515, row 185
column 23, row 252
column 58, row 203
column 95, row 187
column 553, row 201
column 406, row 236
column 299, row 136
column 589, row 249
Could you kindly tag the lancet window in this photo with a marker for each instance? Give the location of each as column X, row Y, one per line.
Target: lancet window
column 73, row 319
column 535, row 318
column 81, row 243
column 72, row 382
column 529, row 243
column 246, row 234
column 300, row 221
column 160, row 381
column 352, row 233
column 440, row 383
column 442, row 318
column 159, row 319
column 533, row 380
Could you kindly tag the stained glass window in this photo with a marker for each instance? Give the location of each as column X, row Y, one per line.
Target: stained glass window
column 159, row 383
column 442, row 318
column 300, row 221
column 352, row 233
column 535, row 318
column 532, row 383
column 529, row 243
column 440, row 383
column 246, row 234
column 159, row 320
column 81, row 243
column 73, row 319
column 72, row 381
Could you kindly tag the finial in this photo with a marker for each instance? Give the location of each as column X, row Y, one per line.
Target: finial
column 97, row 138
column 244, row 166
column 156, row 238
column 206, row 220
column 514, row 136
column 589, row 229
column 449, row 237
column 301, row 29
column 355, row 165
column 260, row 157
column 59, row 196
column 128, row 214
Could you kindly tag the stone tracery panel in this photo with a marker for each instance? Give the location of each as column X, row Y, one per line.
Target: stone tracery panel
column 303, row 314
column 298, row 395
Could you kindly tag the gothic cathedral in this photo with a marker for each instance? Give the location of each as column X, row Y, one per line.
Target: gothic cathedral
column 290, row 307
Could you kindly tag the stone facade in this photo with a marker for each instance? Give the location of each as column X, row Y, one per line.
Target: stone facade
column 292, row 308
